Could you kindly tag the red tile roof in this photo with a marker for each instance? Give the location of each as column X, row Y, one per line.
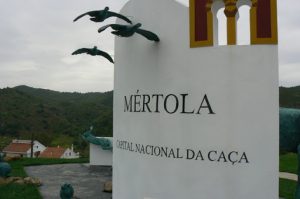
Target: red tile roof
column 52, row 152
column 17, row 148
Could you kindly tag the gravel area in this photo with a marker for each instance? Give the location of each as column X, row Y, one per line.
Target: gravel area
column 87, row 183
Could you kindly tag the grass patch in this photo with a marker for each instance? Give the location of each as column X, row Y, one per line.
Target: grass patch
column 287, row 189
column 14, row 191
column 288, row 163
column 63, row 140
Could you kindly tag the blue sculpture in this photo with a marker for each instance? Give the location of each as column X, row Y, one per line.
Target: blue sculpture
column 94, row 52
column 5, row 168
column 289, row 129
column 104, row 143
column 298, row 184
column 102, row 15
column 119, row 30
column 129, row 30
column 66, row 191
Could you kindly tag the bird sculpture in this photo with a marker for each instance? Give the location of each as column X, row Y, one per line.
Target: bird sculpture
column 129, row 30
column 298, row 184
column 94, row 52
column 101, row 15
column 5, row 168
column 104, row 143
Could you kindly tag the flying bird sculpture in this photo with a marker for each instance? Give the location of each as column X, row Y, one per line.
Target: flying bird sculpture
column 129, row 30
column 104, row 143
column 101, row 15
column 94, row 52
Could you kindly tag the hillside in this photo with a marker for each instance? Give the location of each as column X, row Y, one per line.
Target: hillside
column 50, row 114
column 290, row 97
column 59, row 118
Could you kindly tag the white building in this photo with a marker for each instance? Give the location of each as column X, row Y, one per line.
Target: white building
column 59, row 152
column 22, row 148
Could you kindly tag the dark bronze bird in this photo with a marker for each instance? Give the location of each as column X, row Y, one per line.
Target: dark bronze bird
column 129, row 30
column 101, row 15
column 94, row 52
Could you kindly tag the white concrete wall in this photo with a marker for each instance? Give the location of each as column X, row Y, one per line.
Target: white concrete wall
column 100, row 157
column 241, row 83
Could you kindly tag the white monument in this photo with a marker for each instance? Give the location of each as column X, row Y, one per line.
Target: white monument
column 192, row 119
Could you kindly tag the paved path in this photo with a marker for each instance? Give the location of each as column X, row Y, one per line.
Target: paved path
column 288, row 176
column 86, row 183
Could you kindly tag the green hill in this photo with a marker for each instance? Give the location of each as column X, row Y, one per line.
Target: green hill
column 51, row 115
column 290, row 97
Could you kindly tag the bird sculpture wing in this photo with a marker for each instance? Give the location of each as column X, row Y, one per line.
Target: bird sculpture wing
column 113, row 14
column 90, row 13
column 81, row 50
column 113, row 26
column 106, row 55
column 149, row 35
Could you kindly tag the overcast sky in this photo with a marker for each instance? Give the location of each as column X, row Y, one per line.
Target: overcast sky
column 38, row 36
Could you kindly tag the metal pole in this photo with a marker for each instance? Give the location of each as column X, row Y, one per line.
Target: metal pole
column 32, row 142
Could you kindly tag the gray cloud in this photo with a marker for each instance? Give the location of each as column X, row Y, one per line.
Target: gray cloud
column 37, row 41
column 37, row 38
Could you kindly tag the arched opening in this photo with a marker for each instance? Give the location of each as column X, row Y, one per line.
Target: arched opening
column 243, row 22
column 222, row 27
column 219, row 23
